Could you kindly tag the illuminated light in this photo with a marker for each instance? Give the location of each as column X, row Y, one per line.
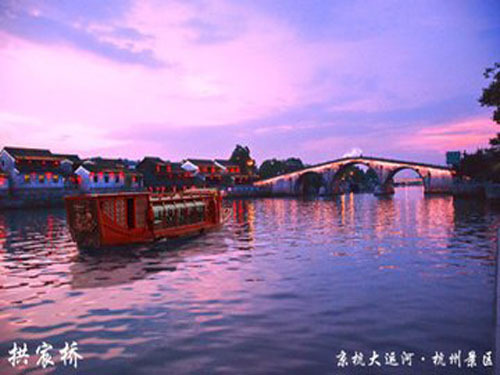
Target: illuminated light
column 440, row 171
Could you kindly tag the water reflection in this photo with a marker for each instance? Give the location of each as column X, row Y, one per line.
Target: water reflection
column 285, row 285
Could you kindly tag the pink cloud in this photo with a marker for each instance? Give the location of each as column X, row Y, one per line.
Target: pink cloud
column 467, row 135
column 86, row 99
column 226, row 66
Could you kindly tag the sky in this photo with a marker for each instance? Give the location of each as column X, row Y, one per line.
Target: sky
column 309, row 79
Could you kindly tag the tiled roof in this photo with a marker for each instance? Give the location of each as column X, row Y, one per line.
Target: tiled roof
column 106, row 165
column 72, row 157
column 37, row 168
column 226, row 163
column 23, row 152
column 202, row 162
column 177, row 168
column 155, row 160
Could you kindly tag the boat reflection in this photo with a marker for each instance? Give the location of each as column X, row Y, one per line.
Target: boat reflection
column 124, row 265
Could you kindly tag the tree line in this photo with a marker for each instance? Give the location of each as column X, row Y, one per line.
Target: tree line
column 484, row 164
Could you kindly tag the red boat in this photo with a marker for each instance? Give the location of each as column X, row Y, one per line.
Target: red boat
column 97, row 220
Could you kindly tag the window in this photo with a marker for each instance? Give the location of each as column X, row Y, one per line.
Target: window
column 96, row 179
column 41, row 179
column 55, row 179
column 27, row 178
column 106, row 178
column 130, row 213
column 117, row 178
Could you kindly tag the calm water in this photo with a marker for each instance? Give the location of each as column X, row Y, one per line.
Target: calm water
column 281, row 289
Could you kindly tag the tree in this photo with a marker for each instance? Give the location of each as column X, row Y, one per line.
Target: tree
column 495, row 142
column 293, row 164
column 491, row 94
column 371, row 177
column 484, row 165
column 241, row 156
column 270, row 168
column 274, row 167
column 491, row 97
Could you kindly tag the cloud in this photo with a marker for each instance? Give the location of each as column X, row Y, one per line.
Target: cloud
column 115, row 43
column 211, row 32
column 467, row 134
column 62, row 137
column 177, row 77
column 354, row 152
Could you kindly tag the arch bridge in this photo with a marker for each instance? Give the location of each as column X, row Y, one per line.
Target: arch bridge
column 327, row 177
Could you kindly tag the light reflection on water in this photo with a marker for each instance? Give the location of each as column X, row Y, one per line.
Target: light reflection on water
column 282, row 288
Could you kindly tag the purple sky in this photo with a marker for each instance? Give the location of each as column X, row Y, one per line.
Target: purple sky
column 312, row 79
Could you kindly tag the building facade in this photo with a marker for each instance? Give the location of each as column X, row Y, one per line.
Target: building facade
column 33, row 168
column 4, row 184
column 97, row 175
column 207, row 171
column 161, row 175
column 233, row 172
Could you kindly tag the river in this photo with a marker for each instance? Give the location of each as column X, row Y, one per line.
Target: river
column 283, row 288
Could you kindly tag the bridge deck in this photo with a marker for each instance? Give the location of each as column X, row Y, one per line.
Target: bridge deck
column 403, row 163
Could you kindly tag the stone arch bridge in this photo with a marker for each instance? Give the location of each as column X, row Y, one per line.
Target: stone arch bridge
column 327, row 176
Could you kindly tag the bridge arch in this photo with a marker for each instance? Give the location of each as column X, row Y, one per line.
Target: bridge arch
column 336, row 185
column 436, row 178
column 425, row 176
column 310, row 183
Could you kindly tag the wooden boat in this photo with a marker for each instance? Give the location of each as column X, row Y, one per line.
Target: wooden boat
column 97, row 220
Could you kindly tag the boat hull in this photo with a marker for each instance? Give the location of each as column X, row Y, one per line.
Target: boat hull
column 493, row 191
column 99, row 220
